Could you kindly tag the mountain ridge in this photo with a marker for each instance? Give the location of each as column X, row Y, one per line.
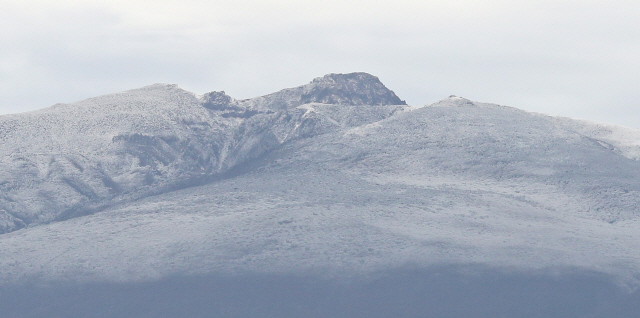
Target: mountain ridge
column 156, row 199
column 60, row 167
column 130, row 139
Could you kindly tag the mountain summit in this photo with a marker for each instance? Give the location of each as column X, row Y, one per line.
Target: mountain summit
column 340, row 89
column 349, row 89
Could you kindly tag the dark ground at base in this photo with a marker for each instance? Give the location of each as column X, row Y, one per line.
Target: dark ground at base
column 435, row 293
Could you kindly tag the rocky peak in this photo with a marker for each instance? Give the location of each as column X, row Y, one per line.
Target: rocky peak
column 218, row 101
column 349, row 89
column 339, row 89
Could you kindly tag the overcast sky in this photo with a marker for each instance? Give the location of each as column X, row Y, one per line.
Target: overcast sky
column 573, row 58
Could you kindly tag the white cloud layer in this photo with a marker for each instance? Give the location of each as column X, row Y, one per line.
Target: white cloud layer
column 573, row 58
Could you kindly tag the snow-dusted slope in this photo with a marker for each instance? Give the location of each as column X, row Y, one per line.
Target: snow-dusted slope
column 278, row 185
column 71, row 160
column 623, row 140
column 455, row 181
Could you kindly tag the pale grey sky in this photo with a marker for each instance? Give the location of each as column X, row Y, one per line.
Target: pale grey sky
column 562, row 57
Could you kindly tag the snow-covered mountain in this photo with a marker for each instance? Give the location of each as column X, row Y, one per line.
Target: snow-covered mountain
column 75, row 159
column 337, row 178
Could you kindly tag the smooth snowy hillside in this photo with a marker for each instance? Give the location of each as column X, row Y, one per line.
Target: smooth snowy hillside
column 336, row 180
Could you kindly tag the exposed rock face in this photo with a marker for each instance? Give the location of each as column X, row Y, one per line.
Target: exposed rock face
column 219, row 101
column 340, row 89
column 349, row 89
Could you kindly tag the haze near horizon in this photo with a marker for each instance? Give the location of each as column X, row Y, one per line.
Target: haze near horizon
column 568, row 58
